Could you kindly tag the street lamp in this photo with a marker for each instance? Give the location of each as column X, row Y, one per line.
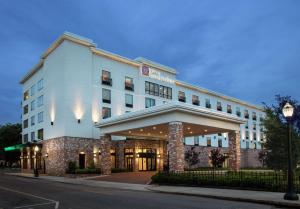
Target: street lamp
column 36, row 171
column 288, row 112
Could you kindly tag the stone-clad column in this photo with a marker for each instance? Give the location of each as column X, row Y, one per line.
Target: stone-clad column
column 105, row 154
column 234, row 150
column 175, row 146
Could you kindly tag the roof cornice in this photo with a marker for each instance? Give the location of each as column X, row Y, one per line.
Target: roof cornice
column 212, row 93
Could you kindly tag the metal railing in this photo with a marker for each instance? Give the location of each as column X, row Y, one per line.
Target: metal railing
column 250, row 180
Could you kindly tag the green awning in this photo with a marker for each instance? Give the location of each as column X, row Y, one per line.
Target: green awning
column 15, row 147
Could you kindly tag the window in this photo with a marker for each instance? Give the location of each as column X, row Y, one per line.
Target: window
column 195, row 100
column 25, row 95
column 129, row 100
column 253, row 115
column 254, row 136
column 32, row 136
column 106, row 96
column 254, row 145
column 106, row 112
column 246, row 114
column 219, row 142
column 158, row 90
column 196, row 140
column 25, row 138
column 229, row 110
column 247, row 145
column 149, row 102
column 32, row 120
column 207, row 103
column 32, row 90
column 219, row 106
column 247, row 125
column 40, row 117
column 247, row 134
column 254, row 126
column 40, row 84
column 40, row 134
column 40, row 101
column 25, row 109
column 181, row 96
column 32, row 105
column 129, row 84
column 238, row 111
column 25, row 123
column 208, row 141
column 106, row 79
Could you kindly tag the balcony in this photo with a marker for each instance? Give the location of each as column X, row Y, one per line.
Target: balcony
column 181, row 99
column 106, row 81
column 129, row 86
column 196, row 102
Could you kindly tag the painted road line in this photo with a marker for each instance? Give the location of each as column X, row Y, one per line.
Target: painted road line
column 31, row 195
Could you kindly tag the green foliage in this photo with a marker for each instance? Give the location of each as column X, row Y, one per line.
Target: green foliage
column 119, row 170
column 251, row 180
column 276, row 134
column 191, row 157
column 10, row 134
column 71, row 167
column 217, row 158
column 88, row 171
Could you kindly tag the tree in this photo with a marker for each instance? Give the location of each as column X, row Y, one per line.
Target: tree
column 192, row 157
column 10, row 134
column 276, row 134
column 217, row 158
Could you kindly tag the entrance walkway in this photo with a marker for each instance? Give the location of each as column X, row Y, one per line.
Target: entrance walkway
column 128, row 177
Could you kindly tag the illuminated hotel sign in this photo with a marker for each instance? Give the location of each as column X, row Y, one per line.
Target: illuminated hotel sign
column 147, row 71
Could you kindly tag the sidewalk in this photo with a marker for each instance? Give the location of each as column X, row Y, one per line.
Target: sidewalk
column 270, row 198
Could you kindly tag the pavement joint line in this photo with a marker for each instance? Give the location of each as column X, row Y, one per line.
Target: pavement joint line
column 31, row 195
column 26, row 206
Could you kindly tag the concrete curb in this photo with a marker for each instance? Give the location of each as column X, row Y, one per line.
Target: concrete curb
column 240, row 199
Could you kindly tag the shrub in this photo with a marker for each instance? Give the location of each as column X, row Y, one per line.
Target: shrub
column 118, row 170
column 71, row 167
column 88, row 171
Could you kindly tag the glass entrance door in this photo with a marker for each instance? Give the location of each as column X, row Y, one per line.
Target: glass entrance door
column 147, row 160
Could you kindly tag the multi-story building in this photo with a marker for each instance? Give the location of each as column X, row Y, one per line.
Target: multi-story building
column 70, row 96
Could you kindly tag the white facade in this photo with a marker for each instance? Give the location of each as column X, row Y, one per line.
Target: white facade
column 71, row 73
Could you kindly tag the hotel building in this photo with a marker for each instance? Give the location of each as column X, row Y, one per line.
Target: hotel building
column 84, row 104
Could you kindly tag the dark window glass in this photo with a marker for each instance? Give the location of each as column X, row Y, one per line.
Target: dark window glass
column 219, row 106
column 158, row 90
column 106, row 96
column 128, row 100
column 229, row 110
column 106, row 112
column 207, row 103
column 25, row 123
column 106, row 79
column 149, row 102
column 181, row 96
column 25, row 109
column 41, row 134
column 129, row 84
column 195, row 100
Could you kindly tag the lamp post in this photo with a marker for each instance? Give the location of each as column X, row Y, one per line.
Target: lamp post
column 288, row 111
column 36, row 171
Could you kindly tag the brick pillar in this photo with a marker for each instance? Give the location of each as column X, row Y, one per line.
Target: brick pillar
column 120, row 154
column 234, row 150
column 105, row 154
column 175, row 146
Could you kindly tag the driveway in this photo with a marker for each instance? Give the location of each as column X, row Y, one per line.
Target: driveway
column 128, row 177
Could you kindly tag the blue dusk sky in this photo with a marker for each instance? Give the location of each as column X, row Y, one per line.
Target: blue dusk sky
column 245, row 49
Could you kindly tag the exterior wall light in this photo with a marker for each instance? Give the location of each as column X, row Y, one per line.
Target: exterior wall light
column 158, row 155
column 78, row 121
column 52, row 123
column 137, row 155
column 46, row 155
column 95, row 154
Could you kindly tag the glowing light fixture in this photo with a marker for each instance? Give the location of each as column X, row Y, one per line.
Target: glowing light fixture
column 288, row 110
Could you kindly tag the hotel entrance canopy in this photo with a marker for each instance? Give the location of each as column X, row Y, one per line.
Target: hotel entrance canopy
column 153, row 122
column 171, row 122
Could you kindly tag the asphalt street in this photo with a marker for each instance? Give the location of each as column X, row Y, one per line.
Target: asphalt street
column 19, row 192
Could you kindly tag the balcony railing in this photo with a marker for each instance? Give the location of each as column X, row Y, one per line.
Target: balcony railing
column 106, row 81
column 129, row 86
